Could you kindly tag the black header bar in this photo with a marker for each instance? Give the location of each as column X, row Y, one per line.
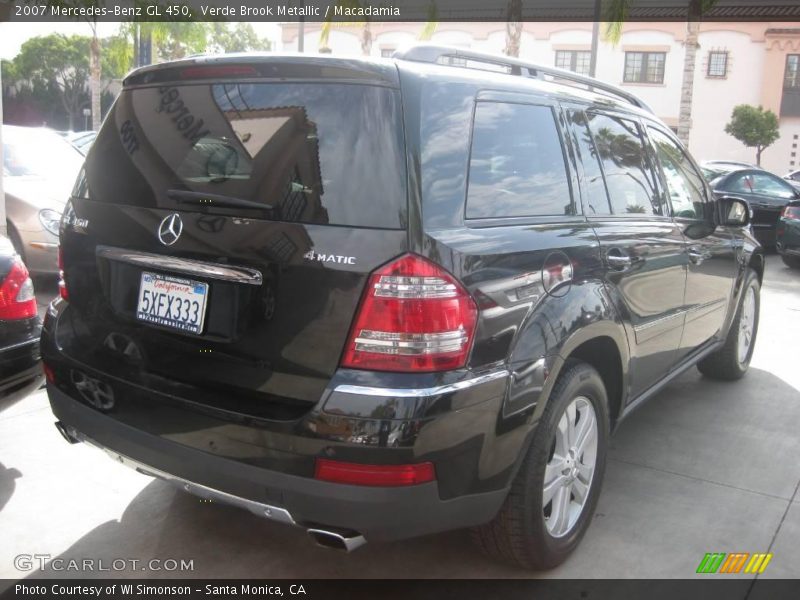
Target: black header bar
column 388, row 10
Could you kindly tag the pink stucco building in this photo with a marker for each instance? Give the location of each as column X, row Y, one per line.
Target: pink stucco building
column 737, row 63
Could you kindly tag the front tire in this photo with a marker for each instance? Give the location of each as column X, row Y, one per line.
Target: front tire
column 553, row 497
column 732, row 360
column 792, row 262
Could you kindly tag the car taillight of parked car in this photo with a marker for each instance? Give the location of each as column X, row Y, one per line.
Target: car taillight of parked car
column 414, row 316
column 791, row 212
column 17, row 299
column 62, row 285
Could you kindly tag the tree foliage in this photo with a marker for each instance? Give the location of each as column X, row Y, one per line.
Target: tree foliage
column 754, row 127
column 239, row 37
column 60, row 63
column 49, row 80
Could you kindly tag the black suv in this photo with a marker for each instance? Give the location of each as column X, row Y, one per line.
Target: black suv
column 380, row 299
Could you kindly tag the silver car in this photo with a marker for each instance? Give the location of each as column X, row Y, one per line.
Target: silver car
column 39, row 170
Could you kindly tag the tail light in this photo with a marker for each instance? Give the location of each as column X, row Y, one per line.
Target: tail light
column 790, row 212
column 62, row 285
column 414, row 316
column 17, row 299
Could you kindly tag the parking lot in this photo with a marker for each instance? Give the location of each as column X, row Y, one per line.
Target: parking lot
column 703, row 467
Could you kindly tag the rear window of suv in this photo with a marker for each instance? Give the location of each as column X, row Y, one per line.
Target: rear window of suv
column 322, row 153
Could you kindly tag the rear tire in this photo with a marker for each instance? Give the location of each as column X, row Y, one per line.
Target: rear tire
column 537, row 534
column 792, row 262
column 732, row 360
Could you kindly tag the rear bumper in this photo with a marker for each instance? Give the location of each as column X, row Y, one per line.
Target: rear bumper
column 378, row 514
column 20, row 368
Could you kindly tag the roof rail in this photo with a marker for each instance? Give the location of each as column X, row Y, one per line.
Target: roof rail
column 433, row 53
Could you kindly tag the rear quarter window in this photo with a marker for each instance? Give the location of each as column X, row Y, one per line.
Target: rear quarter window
column 517, row 166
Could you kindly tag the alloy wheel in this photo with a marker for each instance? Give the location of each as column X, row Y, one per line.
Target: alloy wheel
column 570, row 469
column 747, row 322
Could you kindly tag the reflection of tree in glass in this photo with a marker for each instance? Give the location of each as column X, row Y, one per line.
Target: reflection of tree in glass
column 621, row 149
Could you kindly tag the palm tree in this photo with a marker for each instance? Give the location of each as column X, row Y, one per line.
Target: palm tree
column 617, row 13
column 431, row 24
column 94, row 76
column 328, row 25
column 513, row 27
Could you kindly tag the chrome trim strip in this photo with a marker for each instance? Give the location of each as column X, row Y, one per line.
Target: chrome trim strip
column 19, row 345
column 185, row 266
column 660, row 321
column 266, row 511
column 363, row 390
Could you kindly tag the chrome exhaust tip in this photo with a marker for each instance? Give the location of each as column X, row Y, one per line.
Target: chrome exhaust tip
column 338, row 541
column 66, row 433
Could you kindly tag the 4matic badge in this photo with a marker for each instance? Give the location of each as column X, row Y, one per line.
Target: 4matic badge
column 329, row 258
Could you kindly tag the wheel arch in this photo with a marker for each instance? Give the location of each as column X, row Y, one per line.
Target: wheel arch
column 604, row 346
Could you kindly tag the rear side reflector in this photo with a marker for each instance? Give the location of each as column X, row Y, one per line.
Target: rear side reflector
column 373, row 475
column 62, row 285
column 414, row 316
column 17, row 300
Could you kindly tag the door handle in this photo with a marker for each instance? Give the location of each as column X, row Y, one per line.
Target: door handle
column 617, row 259
column 619, row 262
column 697, row 256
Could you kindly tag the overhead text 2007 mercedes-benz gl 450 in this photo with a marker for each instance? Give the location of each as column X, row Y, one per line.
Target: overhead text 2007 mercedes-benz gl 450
column 378, row 299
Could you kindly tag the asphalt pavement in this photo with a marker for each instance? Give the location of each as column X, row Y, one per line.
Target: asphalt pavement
column 704, row 466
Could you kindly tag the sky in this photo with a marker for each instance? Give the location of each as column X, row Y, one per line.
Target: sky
column 13, row 35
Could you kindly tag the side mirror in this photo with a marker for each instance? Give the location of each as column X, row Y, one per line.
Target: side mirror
column 733, row 211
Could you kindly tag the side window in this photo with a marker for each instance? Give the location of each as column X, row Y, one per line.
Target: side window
column 684, row 184
column 594, row 187
column 742, row 183
column 771, row 186
column 517, row 166
column 622, row 153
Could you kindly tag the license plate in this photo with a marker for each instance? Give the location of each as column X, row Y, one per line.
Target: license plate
column 172, row 302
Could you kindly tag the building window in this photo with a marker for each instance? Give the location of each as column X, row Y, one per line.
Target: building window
column 576, row 61
column 644, row 67
column 791, row 78
column 387, row 52
column 790, row 100
column 717, row 64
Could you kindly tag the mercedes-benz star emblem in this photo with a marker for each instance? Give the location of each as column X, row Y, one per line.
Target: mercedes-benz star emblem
column 170, row 229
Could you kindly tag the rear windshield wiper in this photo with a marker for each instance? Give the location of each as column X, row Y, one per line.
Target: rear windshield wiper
column 211, row 200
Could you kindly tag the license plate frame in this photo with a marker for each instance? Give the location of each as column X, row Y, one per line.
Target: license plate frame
column 152, row 310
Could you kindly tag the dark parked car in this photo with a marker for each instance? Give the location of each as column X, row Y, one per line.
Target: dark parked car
column 380, row 299
column 20, row 328
column 787, row 237
column 766, row 194
column 712, row 169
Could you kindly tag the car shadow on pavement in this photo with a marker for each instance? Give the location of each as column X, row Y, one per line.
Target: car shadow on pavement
column 676, row 487
column 8, row 477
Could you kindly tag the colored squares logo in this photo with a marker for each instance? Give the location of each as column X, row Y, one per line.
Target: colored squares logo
column 736, row 562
